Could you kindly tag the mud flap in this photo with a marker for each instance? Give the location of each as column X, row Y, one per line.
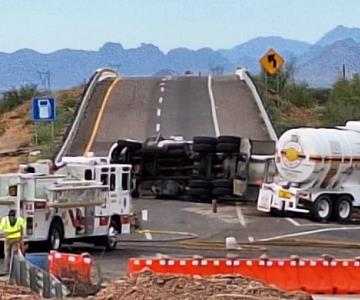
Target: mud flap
column 125, row 228
column 264, row 200
column 239, row 187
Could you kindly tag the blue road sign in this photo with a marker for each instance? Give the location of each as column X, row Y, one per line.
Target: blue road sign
column 43, row 109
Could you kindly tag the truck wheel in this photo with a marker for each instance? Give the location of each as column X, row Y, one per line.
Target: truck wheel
column 204, row 148
column 199, row 183
column 221, row 191
column 343, row 208
column 322, row 208
column 229, row 139
column 55, row 236
column 228, row 148
column 110, row 241
column 204, row 140
column 201, row 192
column 222, row 183
column 129, row 144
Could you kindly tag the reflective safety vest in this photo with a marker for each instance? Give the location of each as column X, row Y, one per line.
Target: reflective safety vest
column 12, row 232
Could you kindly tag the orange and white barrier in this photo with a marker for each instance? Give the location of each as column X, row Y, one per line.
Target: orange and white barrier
column 316, row 276
column 66, row 265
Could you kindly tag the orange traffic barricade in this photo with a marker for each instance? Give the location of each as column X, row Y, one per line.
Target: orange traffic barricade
column 66, row 265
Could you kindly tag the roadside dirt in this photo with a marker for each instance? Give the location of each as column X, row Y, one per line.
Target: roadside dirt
column 15, row 137
column 16, row 133
column 146, row 285
column 12, row 292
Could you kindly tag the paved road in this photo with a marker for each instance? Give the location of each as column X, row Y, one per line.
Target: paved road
column 186, row 108
column 137, row 108
column 129, row 113
column 236, row 109
column 88, row 119
column 243, row 222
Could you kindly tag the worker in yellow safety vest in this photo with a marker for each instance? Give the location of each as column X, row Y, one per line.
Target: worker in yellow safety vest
column 12, row 228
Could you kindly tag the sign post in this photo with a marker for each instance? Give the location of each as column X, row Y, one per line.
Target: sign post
column 44, row 110
column 271, row 62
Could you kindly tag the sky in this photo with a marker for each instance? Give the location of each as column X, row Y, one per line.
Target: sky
column 48, row 25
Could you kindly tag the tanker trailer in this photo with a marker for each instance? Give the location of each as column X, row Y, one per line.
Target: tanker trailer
column 318, row 173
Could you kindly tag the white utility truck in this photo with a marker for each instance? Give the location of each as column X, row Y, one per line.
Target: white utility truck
column 318, row 173
column 87, row 200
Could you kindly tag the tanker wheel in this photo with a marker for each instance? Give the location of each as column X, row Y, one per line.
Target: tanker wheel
column 322, row 208
column 343, row 208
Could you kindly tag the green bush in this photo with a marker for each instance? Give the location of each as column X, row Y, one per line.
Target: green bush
column 344, row 102
column 15, row 97
column 299, row 95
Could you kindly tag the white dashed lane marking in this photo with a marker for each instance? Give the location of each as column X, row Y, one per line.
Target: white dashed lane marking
column 292, row 221
column 157, row 127
column 309, row 233
column 240, row 216
column 297, row 224
column 158, row 112
column 161, row 100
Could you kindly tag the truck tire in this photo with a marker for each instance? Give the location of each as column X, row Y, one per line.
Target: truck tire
column 222, row 183
column 204, row 148
column 343, row 208
column 322, row 208
column 176, row 152
column 228, row 148
column 220, row 191
column 200, row 183
column 129, row 144
column 205, row 140
column 153, row 150
column 229, row 139
column 109, row 243
column 199, row 192
column 55, row 237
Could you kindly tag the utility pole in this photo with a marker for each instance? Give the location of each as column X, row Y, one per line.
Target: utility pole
column 45, row 79
column 343, row 72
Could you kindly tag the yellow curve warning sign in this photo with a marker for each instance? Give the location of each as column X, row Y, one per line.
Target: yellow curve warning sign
column 271, row 61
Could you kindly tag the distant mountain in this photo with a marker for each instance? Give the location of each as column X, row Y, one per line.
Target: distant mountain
column 323, row 69
column 319, row 64
column 255, row 48
column 339, row 33
column 202, row 60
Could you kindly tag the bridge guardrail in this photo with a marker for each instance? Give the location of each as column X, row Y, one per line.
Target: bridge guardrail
column 244, row 75
column 98, row 76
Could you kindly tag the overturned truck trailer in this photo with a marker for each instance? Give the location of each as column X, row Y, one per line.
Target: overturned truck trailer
column 226, row 167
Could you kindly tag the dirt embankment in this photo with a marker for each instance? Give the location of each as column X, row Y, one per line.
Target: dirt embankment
column 15, row 137
column 17, row 129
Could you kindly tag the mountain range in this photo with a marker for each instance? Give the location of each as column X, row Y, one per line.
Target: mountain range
column 319, row 64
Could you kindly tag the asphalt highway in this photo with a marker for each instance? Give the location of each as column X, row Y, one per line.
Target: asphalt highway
column 138, row 108
column 236, row 109
column 241, row 221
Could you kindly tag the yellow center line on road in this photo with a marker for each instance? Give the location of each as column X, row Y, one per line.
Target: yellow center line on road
column 99, row 116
